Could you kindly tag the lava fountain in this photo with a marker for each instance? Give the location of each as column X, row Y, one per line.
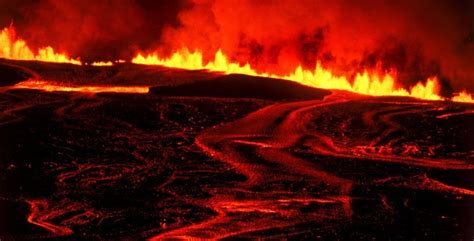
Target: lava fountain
column 373, row 82
column 12, row 47
column 368, row 82
column 236, row 119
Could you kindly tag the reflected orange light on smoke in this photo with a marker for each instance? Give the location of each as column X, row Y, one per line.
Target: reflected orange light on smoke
column 366, row 82
column 12, row 47
column 51, row 86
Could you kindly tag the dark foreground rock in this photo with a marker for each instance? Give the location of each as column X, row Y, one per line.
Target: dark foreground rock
column 242, row 86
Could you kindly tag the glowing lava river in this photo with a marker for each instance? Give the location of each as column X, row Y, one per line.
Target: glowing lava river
column 167, row 163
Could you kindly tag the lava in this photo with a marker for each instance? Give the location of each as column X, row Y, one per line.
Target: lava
column 266, row 147
column 269, row 120
column 463, row 96
column 148, row 167
column 52, row 86
column 15, row 48
column 41, row 216
column 103, row 63
column 369, row 82
column 227, row 223
column 366, row 82
column 107, row 63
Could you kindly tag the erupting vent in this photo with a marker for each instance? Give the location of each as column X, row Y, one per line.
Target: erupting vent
column 236, row 120
column 369, row 82
column 12, row 47
column 373, row 82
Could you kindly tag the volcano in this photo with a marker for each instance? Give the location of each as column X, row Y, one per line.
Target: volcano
column 236, row 120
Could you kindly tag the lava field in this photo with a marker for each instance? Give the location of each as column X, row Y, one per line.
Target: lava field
column 233, row 157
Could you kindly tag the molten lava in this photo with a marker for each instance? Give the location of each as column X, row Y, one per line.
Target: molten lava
column 366, row 82
column 369, row 82
column 52, row 86
column 12, row 47
column 463, row 97
column 102, row 63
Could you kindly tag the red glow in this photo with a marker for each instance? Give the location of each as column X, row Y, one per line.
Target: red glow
column 51, row 86
column 369, row 81
column 41, row 216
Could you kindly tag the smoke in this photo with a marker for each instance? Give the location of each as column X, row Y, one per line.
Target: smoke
column 91, row 29
column 417, row 38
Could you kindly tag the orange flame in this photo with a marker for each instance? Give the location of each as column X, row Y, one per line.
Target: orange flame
column 12, row 47
column 102, row 63
column 365, row 83
column 463, row 97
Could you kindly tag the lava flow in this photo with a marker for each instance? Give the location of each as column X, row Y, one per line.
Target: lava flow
column 51, row 86
column 236, row 120
column 293, row 141
column 264, row 165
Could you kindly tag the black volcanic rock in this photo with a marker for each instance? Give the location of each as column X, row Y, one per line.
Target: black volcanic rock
column 10, row 75
column 243, row 86
column 118, row 166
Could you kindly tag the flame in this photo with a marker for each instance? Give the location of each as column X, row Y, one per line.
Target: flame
column 463, row 97
column 52, row 86
column 15, row 48
column 366, row 82
column 108, row 63
column 101, row 63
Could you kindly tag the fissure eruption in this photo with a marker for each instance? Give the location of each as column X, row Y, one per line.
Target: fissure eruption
column 236, row 119
column 374, row 82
